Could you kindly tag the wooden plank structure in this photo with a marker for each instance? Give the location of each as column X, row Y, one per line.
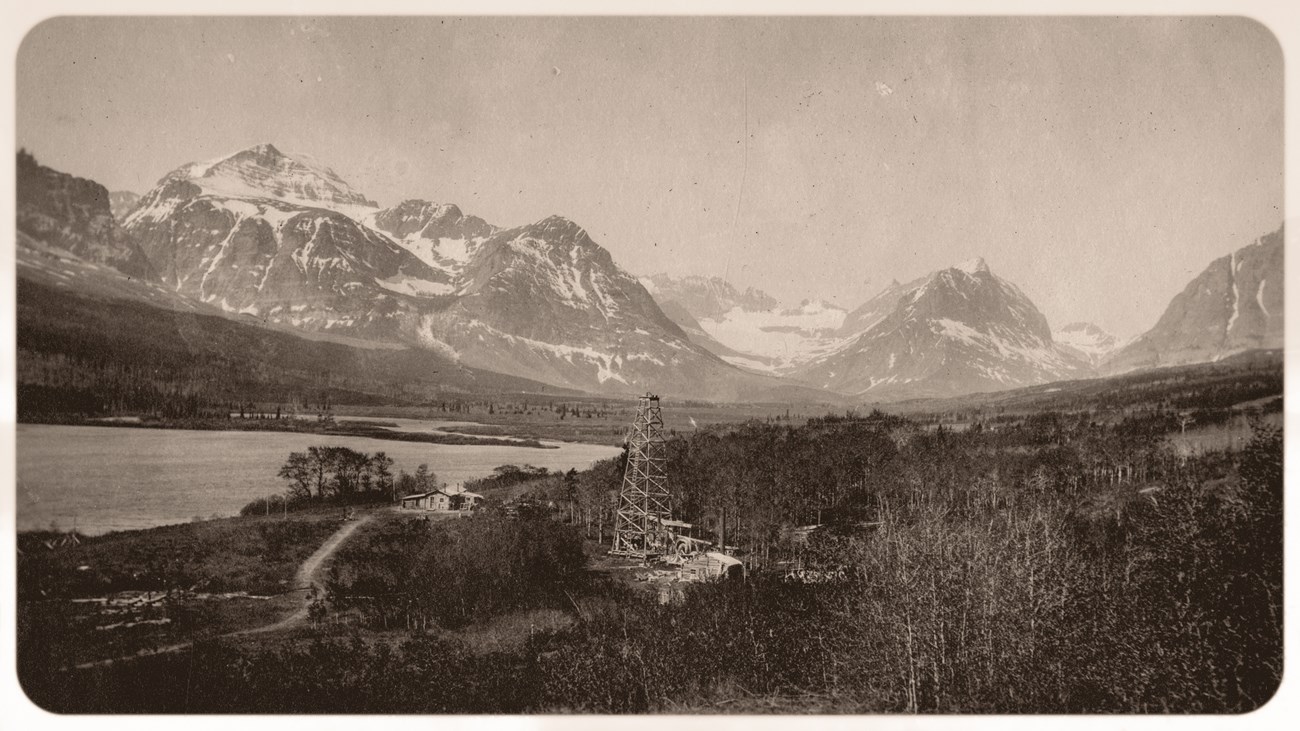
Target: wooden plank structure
column 644, row 502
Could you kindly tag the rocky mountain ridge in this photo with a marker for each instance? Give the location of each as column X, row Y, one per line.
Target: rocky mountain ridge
column 1235, row 304
column 74, row 214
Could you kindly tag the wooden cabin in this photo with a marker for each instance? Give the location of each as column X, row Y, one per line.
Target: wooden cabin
column 434, row 500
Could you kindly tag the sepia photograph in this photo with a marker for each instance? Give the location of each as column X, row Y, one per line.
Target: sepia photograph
column 687, row 364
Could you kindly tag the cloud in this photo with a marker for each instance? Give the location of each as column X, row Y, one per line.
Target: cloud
column 883, row 89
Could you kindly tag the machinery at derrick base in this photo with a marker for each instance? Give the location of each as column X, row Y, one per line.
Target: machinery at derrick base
column 644, row 528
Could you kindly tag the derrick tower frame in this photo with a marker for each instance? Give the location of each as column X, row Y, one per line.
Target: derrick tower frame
column 644, row 501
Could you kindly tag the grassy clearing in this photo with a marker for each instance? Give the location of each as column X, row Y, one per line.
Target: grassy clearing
column 123, row 592
column 1231, row 435
column 256, row 554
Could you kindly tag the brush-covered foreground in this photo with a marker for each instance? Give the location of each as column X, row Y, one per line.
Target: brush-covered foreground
column 1057, row 564
column 119, row 593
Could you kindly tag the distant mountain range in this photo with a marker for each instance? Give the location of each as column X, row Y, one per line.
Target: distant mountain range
column 957, row 330
column 748, row 329
column 120, row 202
column 964, row 330
column 282, row 241
column 1091, row 343
column 707, row 297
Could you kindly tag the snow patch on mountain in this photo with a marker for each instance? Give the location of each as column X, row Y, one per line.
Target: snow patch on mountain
column 748, row 329
column 449, row 255
column 414, row 287
column 155, row 208
column 454, row 250
column 753, row 364
column 957, row 330
column 1236, row 296
column 787, row 336
column 607, row 365
column 1087, row 339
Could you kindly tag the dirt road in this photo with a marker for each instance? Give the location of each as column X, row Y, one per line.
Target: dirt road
column 312, row 572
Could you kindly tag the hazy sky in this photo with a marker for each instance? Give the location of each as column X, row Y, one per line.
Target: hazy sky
column 1097, row 163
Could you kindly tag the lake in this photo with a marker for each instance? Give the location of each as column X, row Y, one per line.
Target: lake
column 98, row 479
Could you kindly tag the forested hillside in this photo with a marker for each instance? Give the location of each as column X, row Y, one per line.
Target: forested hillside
column 81, row 356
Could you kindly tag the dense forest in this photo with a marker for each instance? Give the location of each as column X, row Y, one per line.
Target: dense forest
column 1057, row 564
column 1059, row 567
column 749, row 485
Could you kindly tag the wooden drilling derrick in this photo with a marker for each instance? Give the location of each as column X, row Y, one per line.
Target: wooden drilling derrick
column 644, row 501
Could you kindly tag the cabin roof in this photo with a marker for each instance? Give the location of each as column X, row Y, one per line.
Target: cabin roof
column 723, row 558
column 419, row 495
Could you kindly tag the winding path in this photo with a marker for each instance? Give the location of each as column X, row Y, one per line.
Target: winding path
column 311, row 572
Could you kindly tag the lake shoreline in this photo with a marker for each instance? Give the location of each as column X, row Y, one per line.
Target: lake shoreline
column 98, row 480
column 341, row 428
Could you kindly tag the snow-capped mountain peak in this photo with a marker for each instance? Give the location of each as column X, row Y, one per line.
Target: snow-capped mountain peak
column 263, row 171
column 958, row 330
column 976, row 265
